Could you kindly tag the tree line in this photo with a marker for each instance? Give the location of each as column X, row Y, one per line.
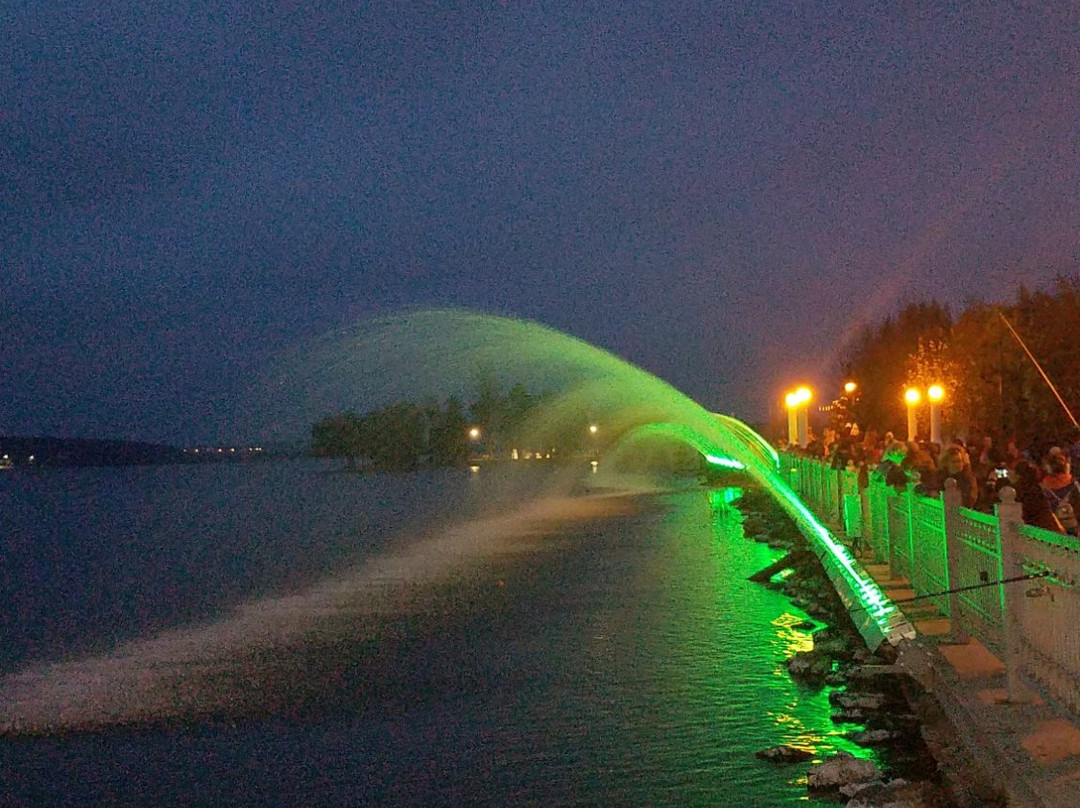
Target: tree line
column 991, row 384
column 407, row 435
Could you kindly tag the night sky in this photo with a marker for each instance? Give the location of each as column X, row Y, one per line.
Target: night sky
column 721, row 193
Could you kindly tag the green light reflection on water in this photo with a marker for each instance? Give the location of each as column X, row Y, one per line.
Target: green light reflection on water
column 803, row 718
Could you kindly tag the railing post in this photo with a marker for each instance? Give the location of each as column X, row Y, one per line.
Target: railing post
column 894, row 566
column 870, row 538
column 837, row 498
column 1009, row 519
column 953, row 544
column 909, row 494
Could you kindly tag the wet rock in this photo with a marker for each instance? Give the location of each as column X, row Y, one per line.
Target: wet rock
column 753, row 523
column 849, row 716
column 887, row 654
column 837, row 678
column 874, row 737
column 898, row 794
column 784, row 754
column 841, row 770
column 835, row 647
column 857, row 788
column 869, row 674
column 809, row 666
column 805, row 625
column 859, row 701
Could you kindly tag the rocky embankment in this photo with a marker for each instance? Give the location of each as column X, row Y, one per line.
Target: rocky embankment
column 867, row 697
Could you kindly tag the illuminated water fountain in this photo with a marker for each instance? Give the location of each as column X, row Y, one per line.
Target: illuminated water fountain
column 194, row 670
column 444, row 352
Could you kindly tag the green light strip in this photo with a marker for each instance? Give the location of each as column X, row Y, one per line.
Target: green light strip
column 743, row 451
column 726, row 462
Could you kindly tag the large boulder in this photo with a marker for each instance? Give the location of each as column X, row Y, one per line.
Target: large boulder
column 841, row 770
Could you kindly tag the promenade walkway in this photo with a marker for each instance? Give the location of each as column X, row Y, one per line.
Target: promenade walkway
column 1029, row 750
column 995, row 605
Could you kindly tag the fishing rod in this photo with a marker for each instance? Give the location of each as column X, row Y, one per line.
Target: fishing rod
column 1029, row 577
column 985, row 584
column 1038, row 367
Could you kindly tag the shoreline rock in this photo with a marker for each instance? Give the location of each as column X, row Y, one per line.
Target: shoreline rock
column 865, row 694
column 784, row 754
column 842, row 769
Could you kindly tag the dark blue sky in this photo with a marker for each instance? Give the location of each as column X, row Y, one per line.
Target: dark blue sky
column 718, row 192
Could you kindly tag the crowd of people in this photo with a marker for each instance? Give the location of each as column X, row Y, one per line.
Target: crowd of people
column 981, row 465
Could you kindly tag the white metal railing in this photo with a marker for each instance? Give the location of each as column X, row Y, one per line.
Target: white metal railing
column 960, row 558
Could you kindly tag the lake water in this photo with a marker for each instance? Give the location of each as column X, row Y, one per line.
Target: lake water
column 616, row 659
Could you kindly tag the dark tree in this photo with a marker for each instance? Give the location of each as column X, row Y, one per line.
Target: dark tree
column 338, row 436
column 879, row 362
column 447, row 434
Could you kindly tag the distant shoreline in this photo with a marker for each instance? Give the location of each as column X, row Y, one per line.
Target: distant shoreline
column 23, row 452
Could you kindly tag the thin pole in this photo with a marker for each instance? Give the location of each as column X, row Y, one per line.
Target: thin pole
column 1042, row 372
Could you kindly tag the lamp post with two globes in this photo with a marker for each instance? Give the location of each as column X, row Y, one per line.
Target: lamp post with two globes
column 935, row 394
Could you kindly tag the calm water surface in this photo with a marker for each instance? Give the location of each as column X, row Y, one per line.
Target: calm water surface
column 618, row 661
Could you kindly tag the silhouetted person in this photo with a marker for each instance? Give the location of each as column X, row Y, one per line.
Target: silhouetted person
column 954, row 466
column 1035, row 509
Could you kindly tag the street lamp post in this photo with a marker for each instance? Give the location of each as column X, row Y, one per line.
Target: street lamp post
column 912, row 396
column 798, row 407
column 804, row 395
column 936, row 393
column 792, row 402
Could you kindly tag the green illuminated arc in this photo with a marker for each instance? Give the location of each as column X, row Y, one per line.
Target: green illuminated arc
column 733, row 444
column 442, row 350
column 685, row 435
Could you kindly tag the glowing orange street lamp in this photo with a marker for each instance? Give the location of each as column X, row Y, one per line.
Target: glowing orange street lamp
column 849, row 387
column 798, row 414
column 791, row 401
column 912, row 396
